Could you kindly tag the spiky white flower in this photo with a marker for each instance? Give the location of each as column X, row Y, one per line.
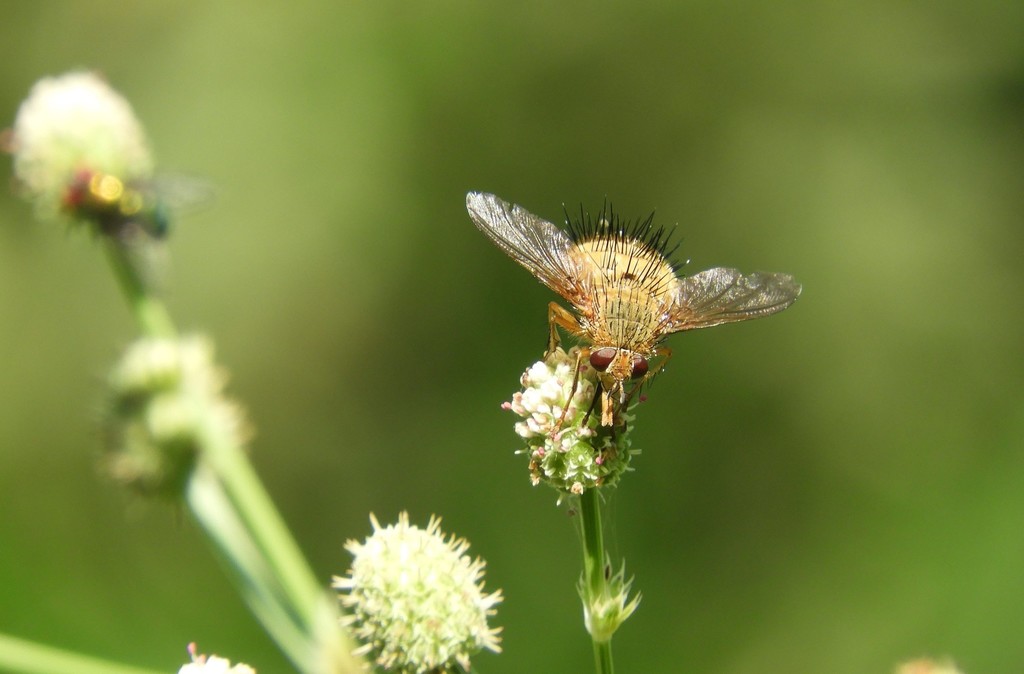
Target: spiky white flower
column 415, row 599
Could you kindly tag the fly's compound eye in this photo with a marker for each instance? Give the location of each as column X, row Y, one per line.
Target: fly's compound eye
column 639, row 367
column 602, row 358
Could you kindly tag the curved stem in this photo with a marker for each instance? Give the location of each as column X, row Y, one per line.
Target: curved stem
column 256, row 513
column 239, row 517
column 26, row 657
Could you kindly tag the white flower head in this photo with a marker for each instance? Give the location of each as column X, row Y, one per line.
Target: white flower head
column 211, row 664
column 415, row 599
column 568, row 447
column 73, row 123
column 928, row 666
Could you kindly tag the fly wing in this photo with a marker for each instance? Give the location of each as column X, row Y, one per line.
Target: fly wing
column 721, row 295
column 531, row 241
column 166, row 197
column 182, row 194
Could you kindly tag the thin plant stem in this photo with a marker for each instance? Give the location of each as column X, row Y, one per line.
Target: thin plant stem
column 266, row 562
column 230, row 463
column 213, row 510
column 25, row 657
column 149, row 312
column 595, row 569
column 271, row 536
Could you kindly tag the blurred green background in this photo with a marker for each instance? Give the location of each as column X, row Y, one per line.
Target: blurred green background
column 834, row 489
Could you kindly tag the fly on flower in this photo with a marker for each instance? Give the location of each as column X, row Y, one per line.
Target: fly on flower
column 118, row 206
column 625, row 293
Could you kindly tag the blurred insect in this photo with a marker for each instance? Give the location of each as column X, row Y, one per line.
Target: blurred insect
column 120, row 208
column 625, row 292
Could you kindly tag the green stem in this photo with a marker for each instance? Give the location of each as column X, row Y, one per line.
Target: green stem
column 603, row 657
column 26, row 657
column 229, row 461
column 594, row 570
column 274, row 575
column 150, row 313
column 268, row 530
column 248, row 568
column 593, row 541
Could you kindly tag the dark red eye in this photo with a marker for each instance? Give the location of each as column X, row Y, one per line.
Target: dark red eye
column 639, row 367
column 602, row 358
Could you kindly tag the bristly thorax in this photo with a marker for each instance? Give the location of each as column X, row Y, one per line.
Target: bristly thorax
column 630, row 288
column 616, row 233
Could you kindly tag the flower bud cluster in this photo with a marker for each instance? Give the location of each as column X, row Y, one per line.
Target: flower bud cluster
column 568, row 447
column 165, row 401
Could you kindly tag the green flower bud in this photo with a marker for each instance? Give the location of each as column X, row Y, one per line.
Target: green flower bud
column 604, row 610
column 165, row 396
column 578, row 453
column 415, row 600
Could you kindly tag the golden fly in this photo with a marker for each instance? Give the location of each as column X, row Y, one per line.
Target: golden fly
column 625, row 293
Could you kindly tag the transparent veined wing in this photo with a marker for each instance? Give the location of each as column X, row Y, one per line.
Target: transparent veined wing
column 722, row 295
column 172, row 196
column 533, row 242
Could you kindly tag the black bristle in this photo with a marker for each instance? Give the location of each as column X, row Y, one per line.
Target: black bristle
column 608, row 222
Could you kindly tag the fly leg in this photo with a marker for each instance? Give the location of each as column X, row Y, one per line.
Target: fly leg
column 593, row 403
column 560, row 317
column 608, row 408
column 583, row 353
